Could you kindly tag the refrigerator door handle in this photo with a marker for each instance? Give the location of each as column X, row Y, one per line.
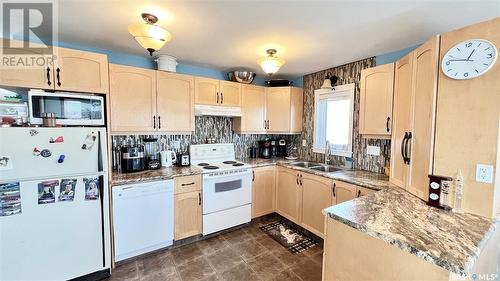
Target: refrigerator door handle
column 101, row 199
column 99, row 153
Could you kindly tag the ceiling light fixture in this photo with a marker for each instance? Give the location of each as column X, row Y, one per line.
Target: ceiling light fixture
column 271, row 63
column 150, row 36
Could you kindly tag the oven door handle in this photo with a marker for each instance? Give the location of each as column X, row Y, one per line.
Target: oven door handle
column 208, row 177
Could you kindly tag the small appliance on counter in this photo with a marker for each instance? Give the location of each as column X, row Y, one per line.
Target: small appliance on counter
column 439, row 188
column 132, row 158
column 168, row 157
column 281, row 148
column 265, row 149
column 152, row 154
column 252, row 152
column 183, row 159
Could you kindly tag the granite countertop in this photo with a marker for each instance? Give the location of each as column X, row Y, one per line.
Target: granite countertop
column 119, row 178
column 449, row 240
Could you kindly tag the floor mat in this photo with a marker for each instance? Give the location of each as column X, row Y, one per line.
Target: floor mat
column 288, row 237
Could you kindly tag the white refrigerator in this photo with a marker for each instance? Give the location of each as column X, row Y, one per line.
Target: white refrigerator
column 54, row 206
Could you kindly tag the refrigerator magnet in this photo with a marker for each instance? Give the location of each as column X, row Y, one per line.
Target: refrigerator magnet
column 46, row 191
column 36, row 151
column 59, row 139
column 5, row 163
column 67, row 189
column 89, row 141
column 91, row 188
column 10, row 199
column 45, row 153
column 33, row 132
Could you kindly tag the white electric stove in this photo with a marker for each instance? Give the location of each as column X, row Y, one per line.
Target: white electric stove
column 227, row 186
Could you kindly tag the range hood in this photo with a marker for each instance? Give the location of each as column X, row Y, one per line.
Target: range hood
column 216, row 110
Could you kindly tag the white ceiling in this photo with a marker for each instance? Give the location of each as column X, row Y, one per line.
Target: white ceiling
column 309, row 35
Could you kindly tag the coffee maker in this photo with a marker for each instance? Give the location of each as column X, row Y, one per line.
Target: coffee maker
column 152, row 154
column 265, row 149
column 281, row 148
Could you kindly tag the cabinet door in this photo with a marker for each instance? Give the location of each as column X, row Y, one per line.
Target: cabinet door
column 263, row 191
column 376, row 93
column 287, row 194
column 425, row 75
column 278, row 109
column 296, row 110
column 41, row 77
column 206, row 91
column 253, row 110
column 344, row 192
column 174, row 102
column 230, row 93
column 81, row 71
column 187, row 214
column 317, row 194
column 133, row 99
column 402, row 118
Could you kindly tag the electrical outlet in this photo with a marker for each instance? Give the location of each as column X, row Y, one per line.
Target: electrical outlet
column 373, row 150
column 177, row 144
column 304, row 143
column 484, row 173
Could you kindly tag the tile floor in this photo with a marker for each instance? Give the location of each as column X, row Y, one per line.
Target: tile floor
column 243, row 254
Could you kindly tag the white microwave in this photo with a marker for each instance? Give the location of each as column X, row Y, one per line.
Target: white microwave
column 69, row 108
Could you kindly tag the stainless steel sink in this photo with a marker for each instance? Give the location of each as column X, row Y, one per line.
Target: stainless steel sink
column 305, row 164
column 325, row 168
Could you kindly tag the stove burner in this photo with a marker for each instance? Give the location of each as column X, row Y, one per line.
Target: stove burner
column 229, row 162
column 238, row 164
column 210, row 167
column 203, row 164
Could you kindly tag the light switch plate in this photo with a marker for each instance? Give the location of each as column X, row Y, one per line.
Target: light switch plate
column 177, row 144
column 304, row 142
column 373, row 150
column 484, row 173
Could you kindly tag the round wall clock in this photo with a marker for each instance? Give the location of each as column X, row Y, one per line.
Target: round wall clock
column 469, row 59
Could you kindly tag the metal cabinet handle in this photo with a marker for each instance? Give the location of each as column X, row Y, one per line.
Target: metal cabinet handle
column 217, row 97
column 300, row 179
column 58, row 77
column 48, row 76
column 199, row 198
column 265, row 125
column 387, row 124
column 186, row 184
column 297, row 180
column 407, row 149
column 403, row 142
column 221, row 98
column 253, row 175
column 359, row 193
column 159, row 122
column 154, row 122
column 333, row 189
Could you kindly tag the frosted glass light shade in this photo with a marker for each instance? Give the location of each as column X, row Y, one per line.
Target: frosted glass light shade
column 271, row 64
column 150, row 37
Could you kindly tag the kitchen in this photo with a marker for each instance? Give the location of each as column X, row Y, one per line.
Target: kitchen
column 143, row 157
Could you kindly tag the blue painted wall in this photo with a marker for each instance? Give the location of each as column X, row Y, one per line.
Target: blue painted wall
column 393, row 56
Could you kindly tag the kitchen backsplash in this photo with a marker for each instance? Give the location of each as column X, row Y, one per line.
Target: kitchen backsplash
column 348, row 73
column 220, row 128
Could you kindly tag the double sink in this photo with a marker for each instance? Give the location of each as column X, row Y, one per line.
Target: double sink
column 316, row 166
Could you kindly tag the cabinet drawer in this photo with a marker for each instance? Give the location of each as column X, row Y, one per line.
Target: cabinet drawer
column 187, row 184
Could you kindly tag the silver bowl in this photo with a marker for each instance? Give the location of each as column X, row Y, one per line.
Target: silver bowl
column 241, row 76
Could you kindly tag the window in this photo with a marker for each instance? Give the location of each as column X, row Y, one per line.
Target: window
column 333, row 114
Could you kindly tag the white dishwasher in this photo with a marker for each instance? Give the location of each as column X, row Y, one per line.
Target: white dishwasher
column 143, row 218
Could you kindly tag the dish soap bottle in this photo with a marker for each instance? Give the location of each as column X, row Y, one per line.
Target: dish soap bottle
column 459, row 192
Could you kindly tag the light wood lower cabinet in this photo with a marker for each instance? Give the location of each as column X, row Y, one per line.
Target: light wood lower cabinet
column 344, row 192
column 263, row 191
column 317, row 194
column 187, row 206
column 288, row 194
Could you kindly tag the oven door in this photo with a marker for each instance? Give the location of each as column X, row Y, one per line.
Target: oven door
column 226, row 191
column 69, row 108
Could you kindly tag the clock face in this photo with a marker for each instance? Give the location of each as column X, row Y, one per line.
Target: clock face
column 469, row 59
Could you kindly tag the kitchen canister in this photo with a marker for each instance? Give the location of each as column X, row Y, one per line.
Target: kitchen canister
column 166, row 63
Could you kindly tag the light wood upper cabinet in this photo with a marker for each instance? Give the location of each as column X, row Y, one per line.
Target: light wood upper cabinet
column 296, row 109
column 253, row 110
column 376, row 95
column 174, row 102
column 263, row 191
column 402, row 119
column 278, row 108
column 317, row 194
column 206, row 91
column 187, row 206
column 288, row 194
column 414, row 118
column 425, row 81
column 133, row 98
column 230, row 93
column 41, row 77
column 344, row 192
column 217, row 92
column 81, row 71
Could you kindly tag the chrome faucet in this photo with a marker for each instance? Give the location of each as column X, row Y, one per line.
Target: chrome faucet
column 327, row 153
